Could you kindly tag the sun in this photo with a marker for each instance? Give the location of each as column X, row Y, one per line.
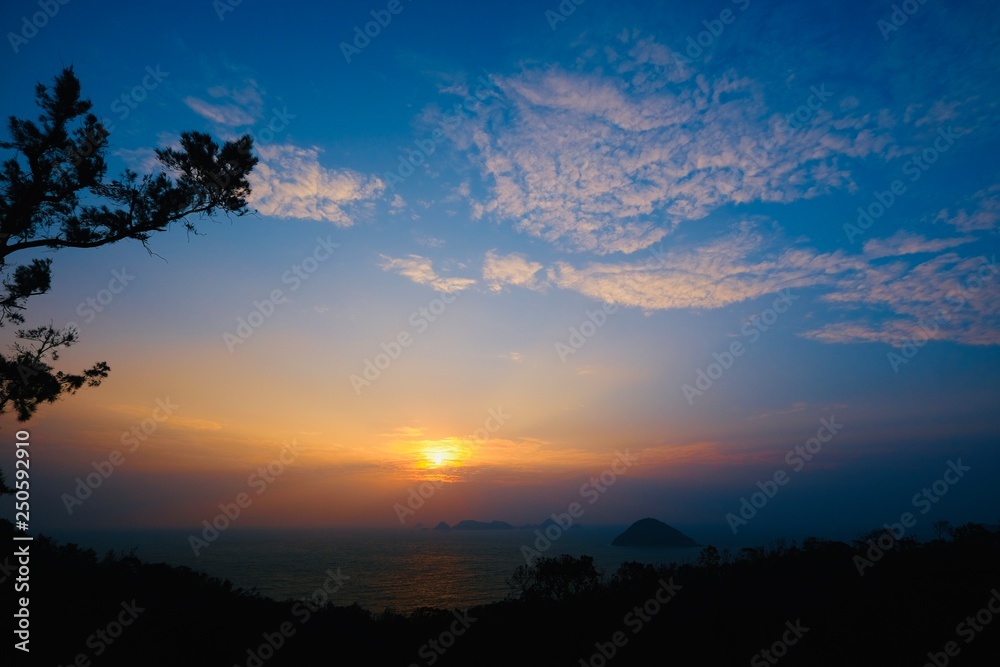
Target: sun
column 435, row 457
column 436, row 454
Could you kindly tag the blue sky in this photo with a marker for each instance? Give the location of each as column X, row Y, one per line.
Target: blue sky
column 667, row 180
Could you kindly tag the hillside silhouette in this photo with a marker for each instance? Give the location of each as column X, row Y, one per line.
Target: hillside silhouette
column 561, row 610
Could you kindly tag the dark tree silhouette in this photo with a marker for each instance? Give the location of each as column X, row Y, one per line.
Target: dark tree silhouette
column 53, row 194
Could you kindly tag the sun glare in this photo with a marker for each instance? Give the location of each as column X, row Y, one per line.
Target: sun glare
column 440, row 454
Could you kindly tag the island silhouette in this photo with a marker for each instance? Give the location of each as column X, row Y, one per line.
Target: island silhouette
column 651, row 532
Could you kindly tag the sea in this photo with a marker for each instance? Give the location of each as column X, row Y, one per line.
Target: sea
column 397, row 569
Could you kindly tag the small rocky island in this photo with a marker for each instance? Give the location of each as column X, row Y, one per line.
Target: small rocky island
column 652, row 533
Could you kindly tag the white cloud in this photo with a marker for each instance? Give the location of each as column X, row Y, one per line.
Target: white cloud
column 510, row 269
column 883, row 296
column 605, row 164
column 237, row 105
column 906, row 243
column 947, row 297
column 729, row 270
column 289, row 182
column 223, row 114
column 984, row 216
column 421, row 271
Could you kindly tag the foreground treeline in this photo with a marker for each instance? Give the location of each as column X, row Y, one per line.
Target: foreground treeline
column 931, row 603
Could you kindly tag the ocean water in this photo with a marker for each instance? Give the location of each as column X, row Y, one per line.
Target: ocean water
column 401, row 570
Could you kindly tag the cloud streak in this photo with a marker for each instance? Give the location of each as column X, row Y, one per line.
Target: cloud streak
column 421, row 271
column 290, row 182
column 607, row 164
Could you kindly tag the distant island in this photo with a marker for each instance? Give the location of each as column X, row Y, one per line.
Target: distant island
column 471, row 524
column 652, row 533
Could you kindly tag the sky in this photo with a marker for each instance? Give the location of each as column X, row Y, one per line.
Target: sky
column 647, row 257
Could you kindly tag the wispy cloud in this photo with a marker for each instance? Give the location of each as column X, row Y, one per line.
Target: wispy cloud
column 516, row 357
column 511, row 269
column 734, row 268
column 984, row 215
column 421, row 271
column 947, row 297
column 906, row 243
column 603, row 163
column 290, row 182
column 236, row 106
